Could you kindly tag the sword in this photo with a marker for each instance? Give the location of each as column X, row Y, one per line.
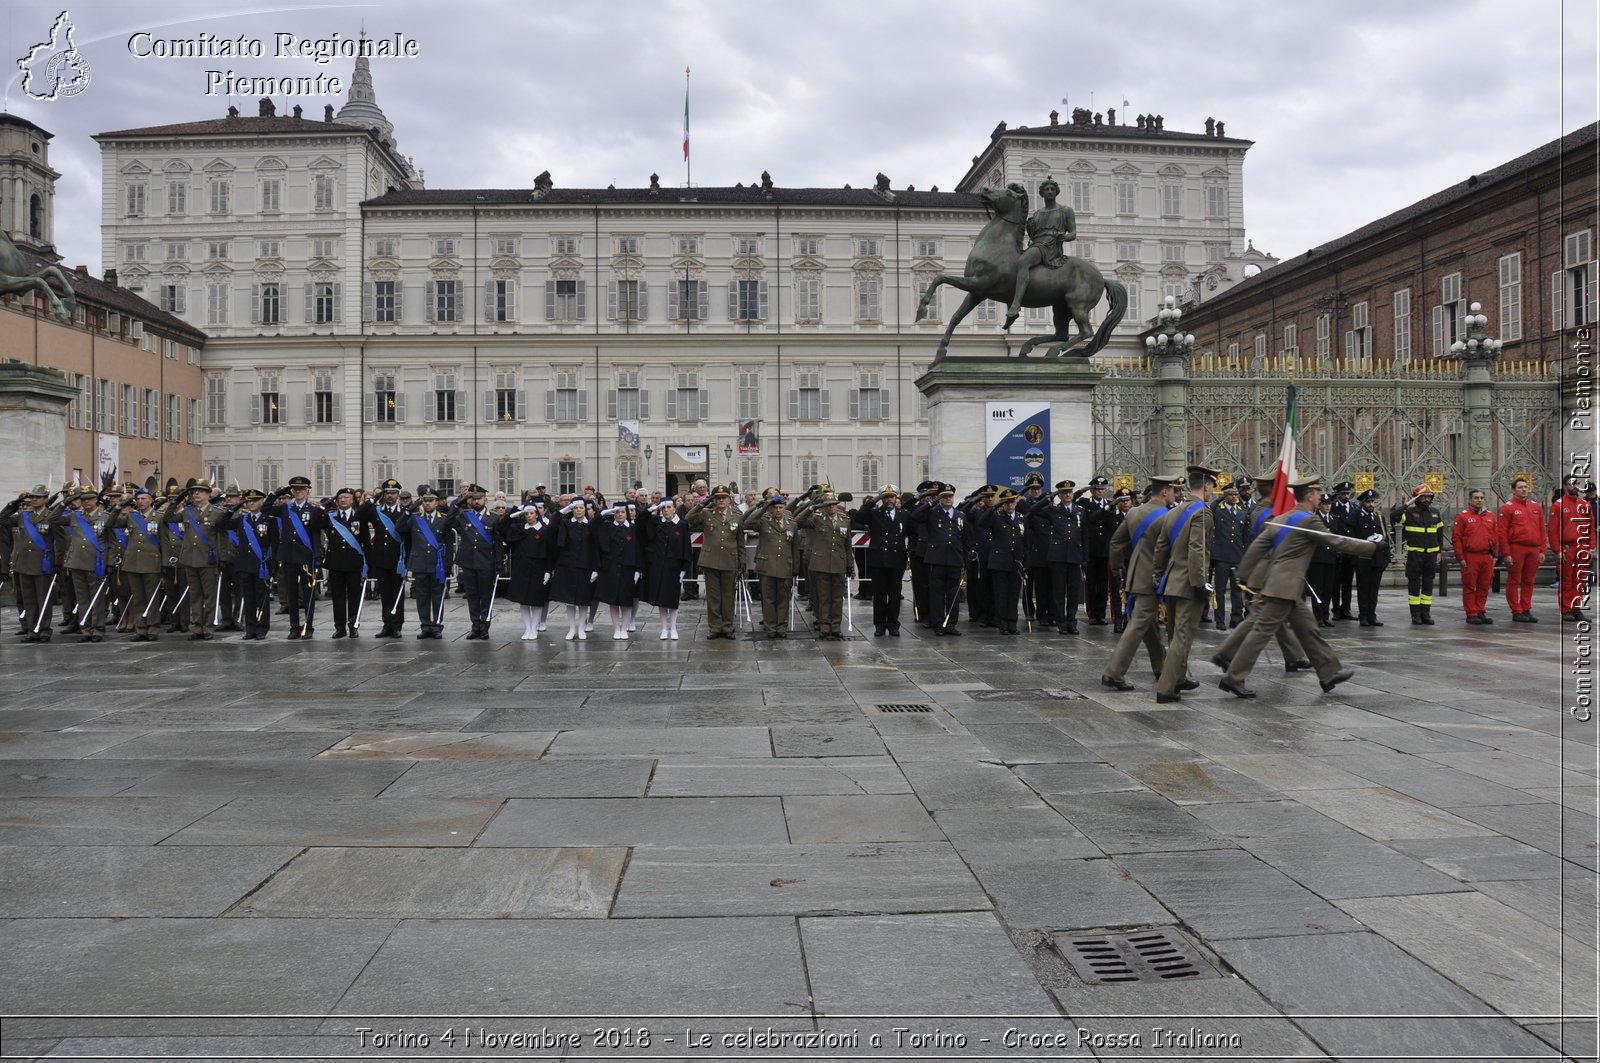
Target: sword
column 494, row 588
column 398, row 595
column 44, row 610
column 83, row 613
column 311, row 597
column 216, row 606
column 361, row 608
column 152, row 601
column 179, row 604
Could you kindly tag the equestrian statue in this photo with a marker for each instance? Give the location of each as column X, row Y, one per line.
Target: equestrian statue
column 999, row 268
column 16, row 278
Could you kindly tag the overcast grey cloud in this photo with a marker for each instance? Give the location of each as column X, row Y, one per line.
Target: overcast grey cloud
column 1356, row 108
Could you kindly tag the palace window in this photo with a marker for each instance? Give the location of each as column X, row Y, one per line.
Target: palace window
column 271, row 195
column 500, row 300
column 807, row 299
column 808, row 400
column 448, row 404
column 322, row 403
column 1402, row 326
column 266, row 303
column 266, row 407
column 868, row 400
column 444, row 300
column 217, row 302
column 747, row 300
column 322, row 192
column 563, row 300
column 749, row 394
column 1510, row 269
column 216, row 399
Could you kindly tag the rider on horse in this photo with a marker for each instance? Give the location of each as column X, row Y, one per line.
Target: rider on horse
column 1048, row 228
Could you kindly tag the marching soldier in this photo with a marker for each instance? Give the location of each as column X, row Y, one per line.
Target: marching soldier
column 252, row 563
column 889, row 530
column 775, row 560
column 198, row 553
column 1294, row 658
column 1281, row 555
column 1006, row 560
column 142, row 559
column 945, row 534
column 1134, row 542
column 300, row 525
column 33, row 559
column 1060, row 524
column 1183, row 559
column 386, row 554
column 721, row 548
column 423, row 531
column 831, row 562
column 346, row 564
column 1422, row 532
column 477, row 555
column 85, row 563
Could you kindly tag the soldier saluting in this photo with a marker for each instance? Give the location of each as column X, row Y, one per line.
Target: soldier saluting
column 945, row 536
column 300, row 524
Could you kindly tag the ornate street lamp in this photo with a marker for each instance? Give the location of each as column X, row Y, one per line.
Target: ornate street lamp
column 1478, row 346
column 1170, row 340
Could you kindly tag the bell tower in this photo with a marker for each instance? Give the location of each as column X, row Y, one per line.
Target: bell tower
column 27, row 185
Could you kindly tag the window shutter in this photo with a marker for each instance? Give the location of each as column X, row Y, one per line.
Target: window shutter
column 311, row 408
column 1350, row 346
column 794, row 404
column 611, row 404
column 255, row 409
column 255, row 304
column 338, row 403
column 642, row 311
column 583, row 405
column 433, row 301
column 488, row 406
column 583, row 313
column 1439, row 343
column 733, row 300
column 549, row 300
column 397, row 305
column 461, row 406
column 430, row 405
column 522, row 405
column 366, row 301
column 369, row 408
column 826, row 400
column 644, row 405
column 672, row 304
column 763, row 299
column 400, row 407
column 705, row 405
column 701, row 301
column 488, row 300
column 855, row 404
column 284, row 408
column 672, row 404
column 550, row 407
column 884, row 397
column 611, row 300
column 1558, row 301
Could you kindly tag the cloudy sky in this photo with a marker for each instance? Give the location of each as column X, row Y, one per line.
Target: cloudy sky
column 1356, row 108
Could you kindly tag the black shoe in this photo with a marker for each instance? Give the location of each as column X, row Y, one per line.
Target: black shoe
column 354, row 633
column 1168, row 699
column 1579, row 614
column 1427, row 616
column 1574, row 616
column 85, row 638
column 1473, row 620
column 1115, row 684
column 1365, row 622
column 1096, row 621
column 1374, row 622
column 1235, row 689
column 783, row 634
column 894, row 632
column 423, row 635
column 140, row 638
column 71, row 629
column 1529, row 618
column 878, row 631
column 197, row 636
column 339, row 633
column 43, row 636
column 1221, row 662
column 1485, row 618
column 1234, row 623
column 294, row 636
column 1119, row 627
column 1189, row 684
column 1302, row 665
column 1342, row 675
column 951, row 631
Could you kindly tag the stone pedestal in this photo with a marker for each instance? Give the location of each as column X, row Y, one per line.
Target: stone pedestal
column 959, row 389
column 33, row 427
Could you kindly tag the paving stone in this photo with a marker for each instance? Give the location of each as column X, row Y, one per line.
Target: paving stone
column 340, row 821
column 1568, row 834
column 56, row 745
column 1564, row 903
column 1428, row 781
column 1196, row 782
column 826, row 740
column 1292, row 771
column 964, row 784
column 1136, row 823
column 441, row 745
column 874, row 775
column 498, row 778
column 73, row 778
column 906, row 748
column 426, row 715
column 288, row 778
column 1022, row 833
column 1034, row 743
column 207, row 966
column 661, row 741
column 98, row 820
column 258, row 1049
column 201, row 717
column 638, row 822
column 1047, row 890
column 89, row 881
column 697, row 777
column 222, row 745
column 1514, row 963
column 889, row 818
column 56, row 717
column 1584, row 799
column 1511, row 769
column 441, row 884
column 1363, row 974
column 1574, row 1038
column 1230, row 893
column 1381, row 813
column 1480, row 859
column 1063, row 779
column 587, row 967
column 561, row 716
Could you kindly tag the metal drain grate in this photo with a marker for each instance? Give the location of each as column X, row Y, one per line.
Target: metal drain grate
column 901, row 707
column 1159, row 955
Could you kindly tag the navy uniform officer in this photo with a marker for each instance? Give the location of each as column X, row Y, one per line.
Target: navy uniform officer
column 299, row 554
column 346, row 563
column 887, row 551
column 1060, row 525
column 252, row 563
column 1006, row 559
column 477, row 555
column 386, row 554
column 423, row 532
column 944, row 531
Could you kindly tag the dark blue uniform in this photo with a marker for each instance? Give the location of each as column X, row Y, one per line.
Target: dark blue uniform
column 886, row 559
column 945, row 545
column 299, row 554
column 385, row 561
column 252, row 564
column 1061, row 529
column 1005, row 561
column 424, row 536
column 477, row 555
column 346, row 564
column 1231, row 522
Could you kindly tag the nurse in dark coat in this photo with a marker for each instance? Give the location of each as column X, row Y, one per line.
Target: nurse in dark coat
column 618, row 586
column 577, row 566
column 530, row 540
column 669, row 552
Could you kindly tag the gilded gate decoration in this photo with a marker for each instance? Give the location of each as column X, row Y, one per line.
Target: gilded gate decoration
column 1385, row 430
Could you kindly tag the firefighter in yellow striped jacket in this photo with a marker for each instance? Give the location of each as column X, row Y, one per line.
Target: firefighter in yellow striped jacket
column 1422, row 535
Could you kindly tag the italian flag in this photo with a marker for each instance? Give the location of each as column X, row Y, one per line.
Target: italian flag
column 686, row 122
column 1282, row 496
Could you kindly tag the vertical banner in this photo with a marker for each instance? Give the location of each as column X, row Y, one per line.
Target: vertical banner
column 749, row 438
column 1018, row 438
column 109, row 458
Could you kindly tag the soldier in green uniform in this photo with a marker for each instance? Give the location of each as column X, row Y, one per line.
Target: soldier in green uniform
column 1294, row 657
column 1048, row 228
column 141, row 562
column 85, row 563
column 1183, row 564
column 203, row 526
column 831, row 561
column 775, row 560
column 33, row 562
column 721, row 545
column 1134, row 541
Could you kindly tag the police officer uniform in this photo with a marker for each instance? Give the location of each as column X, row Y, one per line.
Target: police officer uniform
column 1340, row 512
column 889, row 529
column 1006, row 559
column 257, row 535
column 477, row 556
column 299, row 554
column 423, row 532
column 1367, row 523
column 385, row 548
column 345, row 560
column 1100, row 520
column 1037, row 591
column 1060, row 524
column 919, row 567
column 944, row 531
column 228, row 597
column 721, row 548
column 1231, row 523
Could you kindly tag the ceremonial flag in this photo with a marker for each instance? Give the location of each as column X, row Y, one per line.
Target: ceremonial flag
column 686, row 115
column 628, row 433
column 1282, row 496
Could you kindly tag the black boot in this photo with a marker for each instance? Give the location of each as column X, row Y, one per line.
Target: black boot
column 1427, row 615
column 1416, row 614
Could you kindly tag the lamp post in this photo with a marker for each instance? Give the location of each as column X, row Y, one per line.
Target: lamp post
column 727, row 457
column 1477, row 351
column 1171, row 347
column 648, row 452
column 1478, row 345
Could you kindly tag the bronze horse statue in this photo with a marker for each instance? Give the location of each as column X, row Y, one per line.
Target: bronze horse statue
column 1071, row 290
column 16, row 279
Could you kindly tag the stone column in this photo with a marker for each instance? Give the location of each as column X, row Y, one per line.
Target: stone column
column 1477, row 384
column 33, row 424
column 1172, row 398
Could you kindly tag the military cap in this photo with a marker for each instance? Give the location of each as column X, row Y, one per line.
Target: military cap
column 1099, row 481
column 1197, row 470
column 1266, row 480
column 926, row 485
column 777, row 499
column 1368, row 495
column 1343, row 485
column 253, row 495
column 299, row 481
column 1125, row 493
column 947, row 489
column 1065, row 485
column 388, row 485
column 1033, row 479
column 769, row 492
column 116, row 489
column 404, row 495
column 1230, row 490
column 888, row 489
column 197, row 483
column 82, row 493
column 986, row 489
column 1158, row 482
column 137, row 491
column 232, row 492
column 429, row 496
column 345, row 491
column 1005, row 495
column 718, row 492
column 1302, row 482
column 474, row 491
column 1243, row 481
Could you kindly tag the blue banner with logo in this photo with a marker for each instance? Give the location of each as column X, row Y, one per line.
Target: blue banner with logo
column 1018, row 437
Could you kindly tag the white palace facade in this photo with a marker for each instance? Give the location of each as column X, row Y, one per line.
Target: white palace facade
column 364, row 326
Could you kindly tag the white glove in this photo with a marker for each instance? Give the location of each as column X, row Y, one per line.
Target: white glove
column 636, row 577
column 1375, row 537
column 593, row 576
column 547, row 577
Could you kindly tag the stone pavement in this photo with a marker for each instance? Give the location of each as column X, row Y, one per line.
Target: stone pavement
column 387, row 849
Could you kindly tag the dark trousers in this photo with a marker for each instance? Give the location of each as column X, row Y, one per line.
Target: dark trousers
column 886, row 596
column 227, row 595
column 1004, row 587
column 1223, row 575
column 1095, row 585
column 1368, row 577
column 143, row 588
column 980, row 602
column 864, row 584
column 1039, row 598
column 391, row 588
column 1066, row 590
column 1323, row 579
column 256, row 595
column 944, row 595
column 345, row 587
column 1420, row 569
column 32, row 592
column 477, row 584
column 298, row 587
column 429, row 594
column 1344, row 578
column 919, row 590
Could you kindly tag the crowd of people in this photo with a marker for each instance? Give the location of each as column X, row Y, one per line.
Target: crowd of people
column 203, row 559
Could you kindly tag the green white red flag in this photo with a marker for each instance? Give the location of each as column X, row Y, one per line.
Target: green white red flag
column 1282, row 496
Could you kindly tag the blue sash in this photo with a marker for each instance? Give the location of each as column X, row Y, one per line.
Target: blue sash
column 350, row 538
column 255, row 548
column 1294, row 519
column 477, row 525
column 300, row 532
column 122, row 537
column 38, row 540
column 422, row 525
column 1144, row 526
column 388, row 526
column 211, row 551
column 1261, row 518
column 94, row 540
column 144, row 529
column 1177, row 529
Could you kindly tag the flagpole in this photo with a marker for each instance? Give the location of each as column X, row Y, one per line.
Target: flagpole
column 687, row 172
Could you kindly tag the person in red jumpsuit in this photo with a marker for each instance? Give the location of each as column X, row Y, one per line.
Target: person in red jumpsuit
column 1572, row 540
column 1522, row 536
column 1475, row 542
